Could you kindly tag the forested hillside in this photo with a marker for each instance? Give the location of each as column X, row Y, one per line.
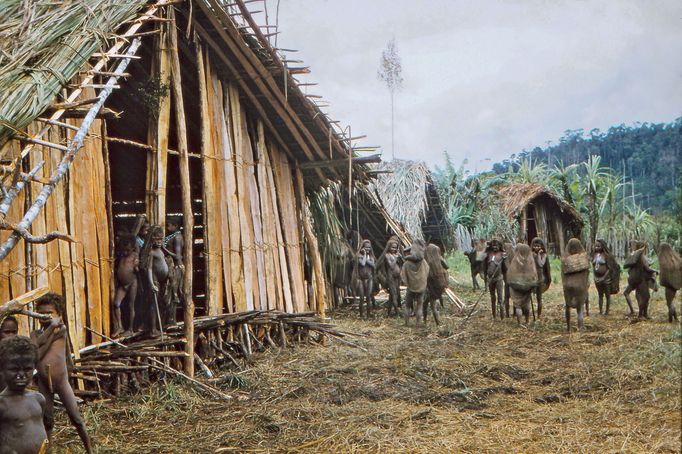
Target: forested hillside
column 647, row 155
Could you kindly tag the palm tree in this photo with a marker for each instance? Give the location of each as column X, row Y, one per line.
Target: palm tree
column 565, row 180
column 594, row 180
column 531, row 172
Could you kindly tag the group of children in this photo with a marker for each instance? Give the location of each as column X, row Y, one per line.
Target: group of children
column 518, row 273
column 149, row 270
column 27, row 416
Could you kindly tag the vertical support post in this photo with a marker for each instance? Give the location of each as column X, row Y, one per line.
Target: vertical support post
column 187, row 214
column 313, row 249
column 524, row 224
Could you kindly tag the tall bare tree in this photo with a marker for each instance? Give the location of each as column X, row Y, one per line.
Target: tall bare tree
column 391, row 73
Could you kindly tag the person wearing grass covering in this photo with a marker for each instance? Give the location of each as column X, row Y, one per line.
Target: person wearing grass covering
column 641, row 278
column 575, row 271
column 523, row 279
column 53, row 377
column 173, row 244
column 414, row 274
column 388, row 272
column 21, row 412
column 437, row 281
column 670, row 277
column 606, row 274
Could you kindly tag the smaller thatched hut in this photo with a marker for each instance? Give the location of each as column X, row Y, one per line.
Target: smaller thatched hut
column 540, row 212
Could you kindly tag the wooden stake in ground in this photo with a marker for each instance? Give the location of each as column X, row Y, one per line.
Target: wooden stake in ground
column 187, row 215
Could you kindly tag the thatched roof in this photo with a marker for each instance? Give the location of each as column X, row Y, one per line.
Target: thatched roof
column 515, row 196
column 42, row 47
column 407, row 195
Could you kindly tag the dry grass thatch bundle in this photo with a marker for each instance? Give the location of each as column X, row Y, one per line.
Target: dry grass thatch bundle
column 403, row 193
column 43, row 44
column 328, row 227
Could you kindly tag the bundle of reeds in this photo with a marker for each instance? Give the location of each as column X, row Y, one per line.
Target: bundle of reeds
column 43, row 44
column 328, row 227
column 402, row 190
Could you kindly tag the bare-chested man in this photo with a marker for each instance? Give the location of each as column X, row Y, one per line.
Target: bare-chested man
column 53, row 376
column 21, row 412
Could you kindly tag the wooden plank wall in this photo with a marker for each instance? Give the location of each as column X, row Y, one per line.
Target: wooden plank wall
column 81, row 271
column 252, row 240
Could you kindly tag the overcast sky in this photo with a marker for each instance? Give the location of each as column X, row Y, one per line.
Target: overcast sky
column 483, row 78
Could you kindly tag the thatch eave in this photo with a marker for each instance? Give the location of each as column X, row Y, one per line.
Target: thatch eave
column 515, row 196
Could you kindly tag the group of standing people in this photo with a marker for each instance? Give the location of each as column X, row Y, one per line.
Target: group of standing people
column 521, row 272
column 149, row 272
column 418, row 266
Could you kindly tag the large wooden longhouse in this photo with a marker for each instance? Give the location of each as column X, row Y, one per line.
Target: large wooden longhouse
column 164, row 108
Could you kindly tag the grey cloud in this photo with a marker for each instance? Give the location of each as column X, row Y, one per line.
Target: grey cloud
column 485, row 79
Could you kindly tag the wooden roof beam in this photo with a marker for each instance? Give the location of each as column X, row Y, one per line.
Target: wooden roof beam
column 261, row 77
column 290, row 79
column 216, row 48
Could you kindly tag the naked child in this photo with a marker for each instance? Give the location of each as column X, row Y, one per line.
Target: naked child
column 22, row 430
column 53, row 377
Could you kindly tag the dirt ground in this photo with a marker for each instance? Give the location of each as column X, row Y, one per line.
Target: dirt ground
column 474, row 386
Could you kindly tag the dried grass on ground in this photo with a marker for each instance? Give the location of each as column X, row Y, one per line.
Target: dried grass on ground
column 479, row 386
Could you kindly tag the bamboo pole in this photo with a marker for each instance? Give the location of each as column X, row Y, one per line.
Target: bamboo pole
column 159, row 131
column 313, row 250
column 187, row 214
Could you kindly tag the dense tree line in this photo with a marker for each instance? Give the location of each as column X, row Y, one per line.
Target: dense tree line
column 647, row 156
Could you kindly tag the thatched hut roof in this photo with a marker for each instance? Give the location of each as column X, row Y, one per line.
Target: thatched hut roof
column 42, row 47
column 515, row 196
column 407, row 196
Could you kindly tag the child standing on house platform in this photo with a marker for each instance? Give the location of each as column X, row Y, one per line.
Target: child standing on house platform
column 53, row 377
column 21, row 411
column 173, row 244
